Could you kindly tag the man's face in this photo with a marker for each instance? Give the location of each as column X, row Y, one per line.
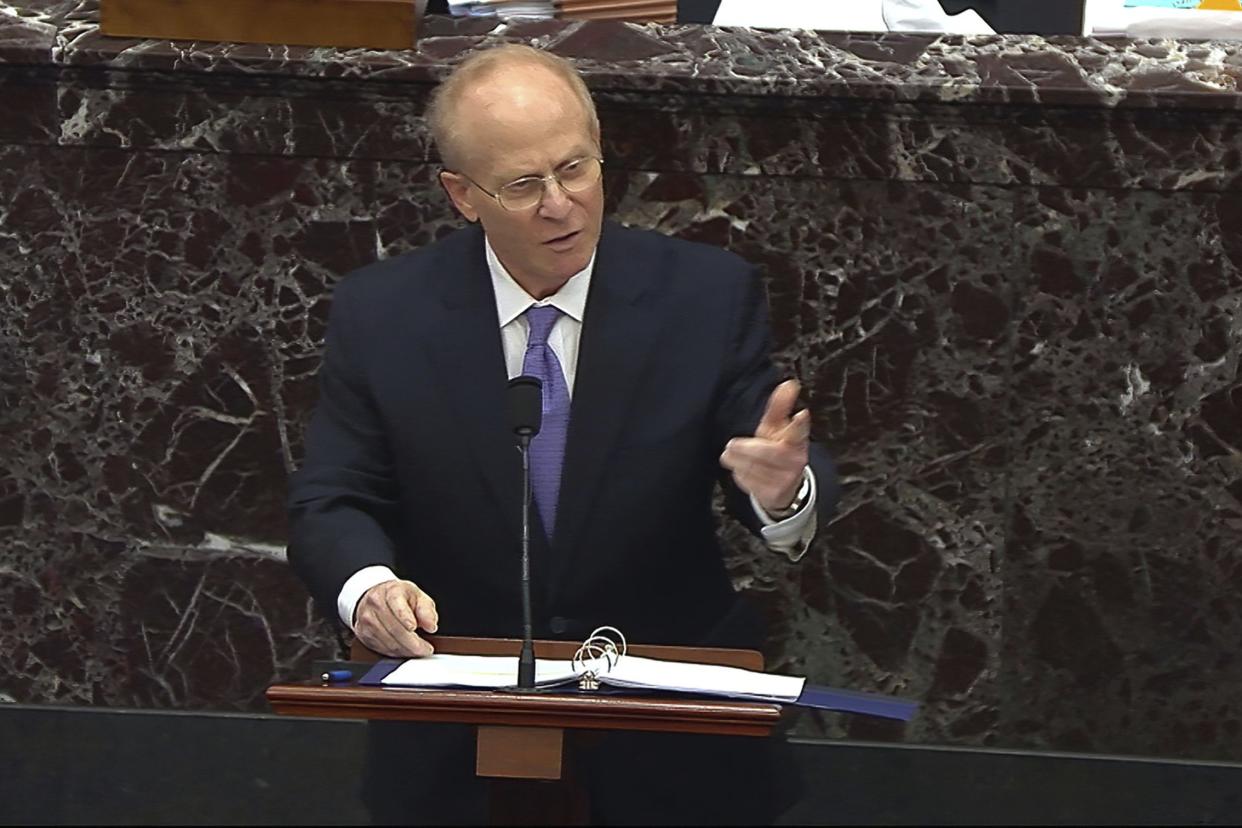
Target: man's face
column 526, row 121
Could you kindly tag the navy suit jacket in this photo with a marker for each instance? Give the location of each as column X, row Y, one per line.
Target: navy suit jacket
column 409, row 462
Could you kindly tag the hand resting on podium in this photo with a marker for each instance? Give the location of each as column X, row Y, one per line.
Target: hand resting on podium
column 389, row 616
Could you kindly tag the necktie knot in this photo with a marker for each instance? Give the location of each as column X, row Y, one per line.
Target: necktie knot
column 541, row 319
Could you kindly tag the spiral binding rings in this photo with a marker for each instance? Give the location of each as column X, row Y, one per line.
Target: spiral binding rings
column 602, row 643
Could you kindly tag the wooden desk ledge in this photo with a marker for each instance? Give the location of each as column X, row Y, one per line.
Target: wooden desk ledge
column 486, row 707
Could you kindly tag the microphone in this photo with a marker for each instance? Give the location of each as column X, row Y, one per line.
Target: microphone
column 524, row 407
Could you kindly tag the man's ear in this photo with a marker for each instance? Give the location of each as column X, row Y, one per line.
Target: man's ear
column 458, row 190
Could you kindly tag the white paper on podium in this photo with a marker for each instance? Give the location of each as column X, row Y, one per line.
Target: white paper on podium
column 710, row 679
column 481, row 672
column 850, row 15
column 494, row 672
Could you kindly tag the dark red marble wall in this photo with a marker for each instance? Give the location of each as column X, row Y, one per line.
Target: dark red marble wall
column 1007, row 270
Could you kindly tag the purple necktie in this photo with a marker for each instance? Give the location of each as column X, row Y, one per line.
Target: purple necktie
column 547, row 450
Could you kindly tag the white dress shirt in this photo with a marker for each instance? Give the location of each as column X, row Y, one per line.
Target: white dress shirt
column 790, row 535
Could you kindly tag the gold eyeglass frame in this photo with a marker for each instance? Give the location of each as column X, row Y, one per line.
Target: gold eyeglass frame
column 544, row 179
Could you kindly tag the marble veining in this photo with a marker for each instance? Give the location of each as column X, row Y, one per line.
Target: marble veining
column 1006, row 270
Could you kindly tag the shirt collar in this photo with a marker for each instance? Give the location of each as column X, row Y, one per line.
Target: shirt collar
column 512, row 300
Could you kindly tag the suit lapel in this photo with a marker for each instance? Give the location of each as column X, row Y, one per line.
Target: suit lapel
column 465, row 341
column 619, row 333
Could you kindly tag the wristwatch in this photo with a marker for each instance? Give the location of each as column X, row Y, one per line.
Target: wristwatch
column 800, row 499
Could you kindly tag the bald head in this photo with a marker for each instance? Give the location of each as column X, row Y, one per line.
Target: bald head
column 501, row 89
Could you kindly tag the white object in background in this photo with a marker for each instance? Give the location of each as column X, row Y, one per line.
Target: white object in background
column 505, row 9
column 831, row 15
column 1106, row 18
column 930, row 16
column 850, row 16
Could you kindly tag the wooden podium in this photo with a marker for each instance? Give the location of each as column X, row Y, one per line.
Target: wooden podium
column 522, row 736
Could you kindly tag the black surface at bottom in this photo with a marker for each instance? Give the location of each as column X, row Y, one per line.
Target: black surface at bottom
column 102, row 766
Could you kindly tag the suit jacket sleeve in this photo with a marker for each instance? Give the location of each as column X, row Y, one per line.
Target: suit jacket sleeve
column 749, row 380
column 342, row 500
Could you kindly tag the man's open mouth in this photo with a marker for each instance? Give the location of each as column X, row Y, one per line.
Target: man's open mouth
column 564, row 238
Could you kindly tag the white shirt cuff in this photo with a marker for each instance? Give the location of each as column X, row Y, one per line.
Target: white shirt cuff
column 356, row 587
column 791, row 535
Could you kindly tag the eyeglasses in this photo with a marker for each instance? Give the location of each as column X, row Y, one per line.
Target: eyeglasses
column 573, row 176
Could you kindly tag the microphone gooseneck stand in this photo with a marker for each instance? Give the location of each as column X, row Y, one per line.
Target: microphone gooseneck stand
column 525, row 412
column 526, row 661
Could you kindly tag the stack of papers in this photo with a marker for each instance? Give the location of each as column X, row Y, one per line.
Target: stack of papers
column 506, row 9
column 650, row 11
column 653, row 11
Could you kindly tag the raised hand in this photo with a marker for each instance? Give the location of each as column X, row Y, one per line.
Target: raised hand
column 770, row 464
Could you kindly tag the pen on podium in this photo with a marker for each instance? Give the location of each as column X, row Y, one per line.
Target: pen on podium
column 336, row 675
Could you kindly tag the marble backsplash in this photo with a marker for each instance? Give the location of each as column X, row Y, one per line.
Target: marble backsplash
column 1007, row 270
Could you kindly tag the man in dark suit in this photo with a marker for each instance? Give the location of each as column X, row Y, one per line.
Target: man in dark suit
column 657, row 383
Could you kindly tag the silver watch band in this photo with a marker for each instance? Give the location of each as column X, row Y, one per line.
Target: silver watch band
column 799, row 501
